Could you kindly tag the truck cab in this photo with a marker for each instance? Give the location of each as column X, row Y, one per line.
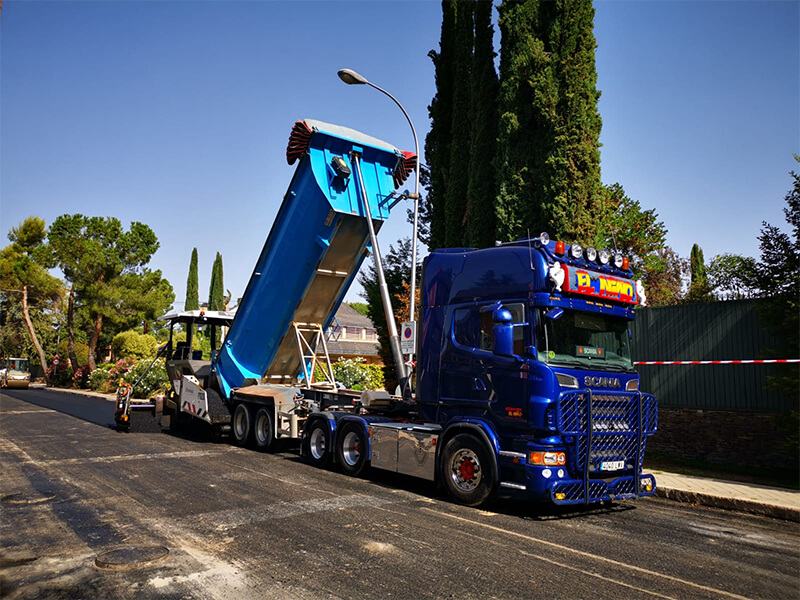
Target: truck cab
column 531, row 349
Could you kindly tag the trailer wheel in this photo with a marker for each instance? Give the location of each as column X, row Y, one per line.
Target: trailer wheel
column 467, row 471
column 241, row 424
column 317, row 444
column 263, row 430
column 351, row 449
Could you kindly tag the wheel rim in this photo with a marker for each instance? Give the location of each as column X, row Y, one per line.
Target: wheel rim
column 262, row 429
column 240, row 424
column 351, row 448
column 465, row 470
column 317, row 443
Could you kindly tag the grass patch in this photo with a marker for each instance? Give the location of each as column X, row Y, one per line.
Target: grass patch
column 775, row 477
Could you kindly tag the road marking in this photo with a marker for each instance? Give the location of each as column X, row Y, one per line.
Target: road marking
column 597, row 575
column 27, row 412
column 590, row 555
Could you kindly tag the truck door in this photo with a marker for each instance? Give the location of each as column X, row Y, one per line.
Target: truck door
column 462, row 373
column 507, row 378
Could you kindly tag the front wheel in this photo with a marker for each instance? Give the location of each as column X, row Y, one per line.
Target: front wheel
column 317, row 444
column 467, row 470
column 241, row 424
column 351, row 449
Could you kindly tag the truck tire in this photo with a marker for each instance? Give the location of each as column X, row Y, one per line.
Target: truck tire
column 241, row 424
column 317, row 444
column 264, row 430
column 467, row 470
column 351, row 449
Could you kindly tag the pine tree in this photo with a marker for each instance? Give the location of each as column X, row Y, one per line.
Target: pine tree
column 192, row 294
column 548, row 157
column 455, row 204
column 481, row 193
column 438, row 140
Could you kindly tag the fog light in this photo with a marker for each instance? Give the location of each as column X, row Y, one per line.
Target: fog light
column 546, row 473
column 576, row 251
column 560, row 473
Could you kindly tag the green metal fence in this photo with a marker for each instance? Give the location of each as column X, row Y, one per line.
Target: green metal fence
column 709, row 331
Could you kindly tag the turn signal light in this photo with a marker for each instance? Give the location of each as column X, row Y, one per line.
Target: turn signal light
column 547, row 458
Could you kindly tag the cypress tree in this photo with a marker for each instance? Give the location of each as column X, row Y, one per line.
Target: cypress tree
column 698, row 266
column 216, row 291
column 548, row 160
column 192, row 293
column 482, row 191
column 438, row 140
column 455, row 205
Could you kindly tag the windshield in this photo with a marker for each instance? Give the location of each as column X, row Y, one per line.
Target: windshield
column 584, row 340
column 17, row 364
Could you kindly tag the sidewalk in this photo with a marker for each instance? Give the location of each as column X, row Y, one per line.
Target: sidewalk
column 743, row 497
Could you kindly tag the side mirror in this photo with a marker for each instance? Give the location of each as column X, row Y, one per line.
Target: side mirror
column 502, row 333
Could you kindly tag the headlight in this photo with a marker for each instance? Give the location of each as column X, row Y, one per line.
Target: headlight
column 618, row 261
column 605, row 255
column 576, row 251
column 591, row 253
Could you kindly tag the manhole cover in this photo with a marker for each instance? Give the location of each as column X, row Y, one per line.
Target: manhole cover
column 33, row 497
column 130, row 558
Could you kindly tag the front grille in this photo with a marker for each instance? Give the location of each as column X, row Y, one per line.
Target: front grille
column 620, row 424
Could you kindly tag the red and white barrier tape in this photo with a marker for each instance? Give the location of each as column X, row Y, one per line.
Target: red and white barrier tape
column 718, row 362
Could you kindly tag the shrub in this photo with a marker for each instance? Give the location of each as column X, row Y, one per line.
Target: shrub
column 61, row 378
column 120, row 371
column 355, row 374
column 80, row 378
column 81, row 351
column 130, row 344
column 154, row 380
column 98, row 380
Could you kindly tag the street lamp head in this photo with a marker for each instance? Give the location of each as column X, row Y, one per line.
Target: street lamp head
column 350, row 77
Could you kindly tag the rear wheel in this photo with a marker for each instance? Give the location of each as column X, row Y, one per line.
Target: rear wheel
column 263, row 430
column 467, row 470
column 241, row 424
column 351, row 449
column 317, row 444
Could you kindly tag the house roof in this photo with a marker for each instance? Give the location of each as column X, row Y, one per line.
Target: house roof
column 350, row 317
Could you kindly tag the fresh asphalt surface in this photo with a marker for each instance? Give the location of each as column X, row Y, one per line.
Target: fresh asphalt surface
column 241, row 524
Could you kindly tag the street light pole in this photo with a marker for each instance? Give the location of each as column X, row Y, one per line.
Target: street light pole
column 350, row 77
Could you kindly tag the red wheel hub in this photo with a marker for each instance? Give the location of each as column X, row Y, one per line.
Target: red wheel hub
column 467, row 470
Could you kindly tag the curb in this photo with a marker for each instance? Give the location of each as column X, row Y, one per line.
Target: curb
column 754, row 507
column 85, row 393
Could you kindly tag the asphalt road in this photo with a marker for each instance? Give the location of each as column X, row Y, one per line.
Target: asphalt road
column 241, row 524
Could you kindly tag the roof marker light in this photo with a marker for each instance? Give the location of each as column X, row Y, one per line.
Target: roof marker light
column 591, row 253
column 560, row 248
column 625, row 264
column 604, row 255
column 576, row 251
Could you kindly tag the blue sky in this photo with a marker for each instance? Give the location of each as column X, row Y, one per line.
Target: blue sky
column 177, row 114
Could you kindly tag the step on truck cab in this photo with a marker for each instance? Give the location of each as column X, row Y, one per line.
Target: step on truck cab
column 525, row 385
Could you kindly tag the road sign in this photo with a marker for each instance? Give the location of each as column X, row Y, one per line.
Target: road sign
column 56, row 360
column 408, row 337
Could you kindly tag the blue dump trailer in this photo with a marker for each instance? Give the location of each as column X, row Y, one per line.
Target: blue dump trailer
column 525, row 380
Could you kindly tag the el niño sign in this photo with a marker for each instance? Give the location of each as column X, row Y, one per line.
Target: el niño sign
column 591, row 283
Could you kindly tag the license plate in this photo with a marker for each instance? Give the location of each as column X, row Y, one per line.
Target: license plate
column 612, row 465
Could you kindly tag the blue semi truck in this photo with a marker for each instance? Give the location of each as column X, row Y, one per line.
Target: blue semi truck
column 525, row 386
